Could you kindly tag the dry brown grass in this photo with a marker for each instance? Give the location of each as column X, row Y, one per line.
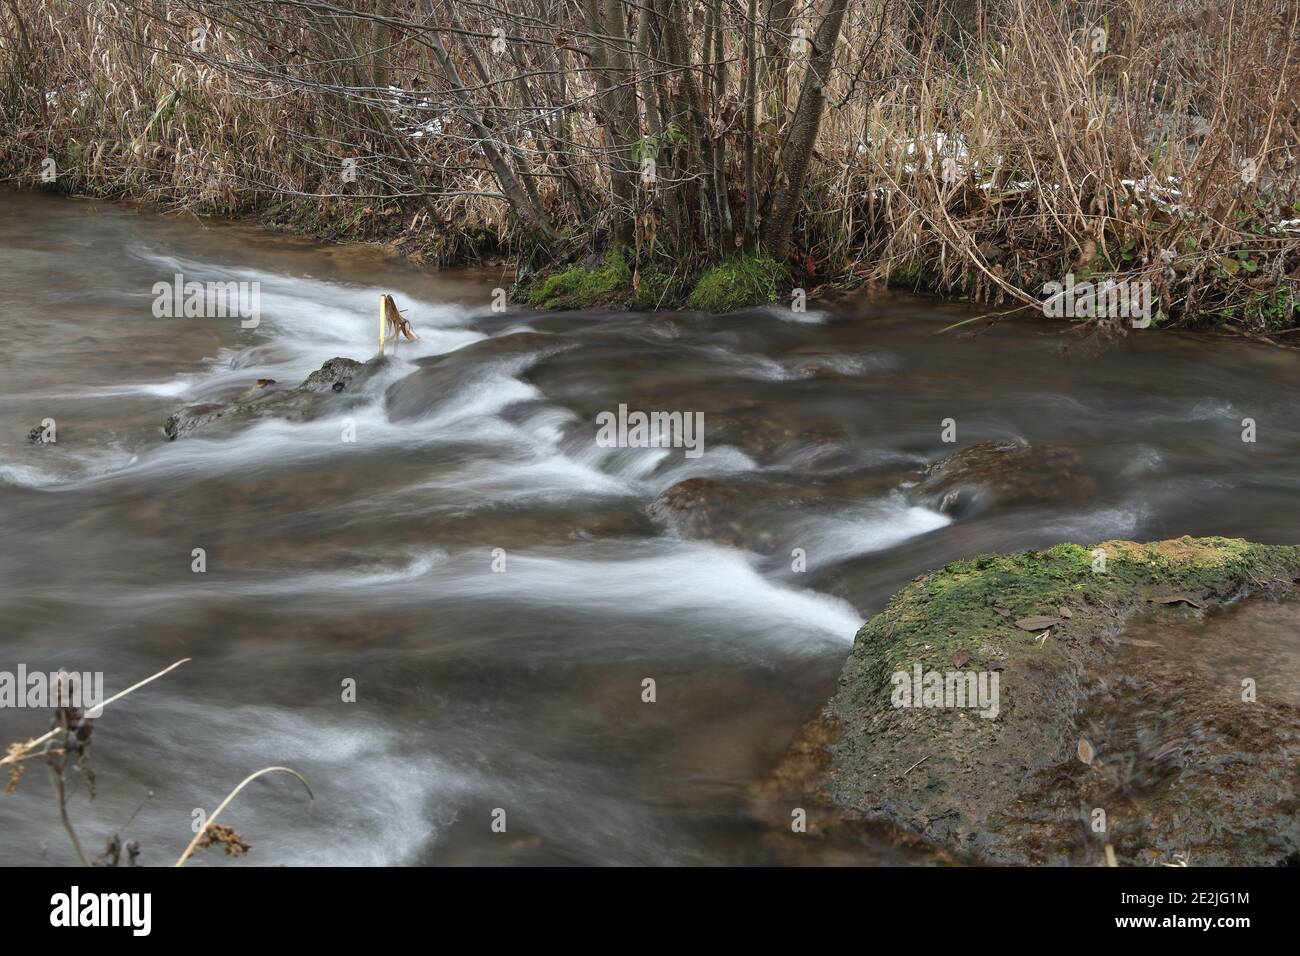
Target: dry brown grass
column 1125, row 163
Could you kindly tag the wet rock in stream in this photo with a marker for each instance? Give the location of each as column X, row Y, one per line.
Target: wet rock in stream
column 1203, row 772
column 1186, row 766
column 303, row 403
column 738, row 512
column 334, row 376
column 1007, row 472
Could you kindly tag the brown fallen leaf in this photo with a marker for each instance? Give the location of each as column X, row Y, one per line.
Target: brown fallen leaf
column 1001, row 610
column 960, row 658
column 1176, row 599
column 1086, row 753
column 1037, row 622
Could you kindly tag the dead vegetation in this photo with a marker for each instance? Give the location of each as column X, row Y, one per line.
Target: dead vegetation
column 66, row 751
column 976, row 147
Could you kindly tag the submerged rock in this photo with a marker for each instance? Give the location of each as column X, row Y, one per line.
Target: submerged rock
column 967, row 776
column 693, row 509
column 739, row 512
column 303, row 403
column 1005, row 471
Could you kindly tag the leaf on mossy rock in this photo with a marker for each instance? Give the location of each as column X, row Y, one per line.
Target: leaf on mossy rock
column 960, row 658
column 1086, row 752
column 1037, row 622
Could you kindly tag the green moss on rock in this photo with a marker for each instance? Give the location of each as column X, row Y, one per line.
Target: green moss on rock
column 977, row 602
column 964, row 617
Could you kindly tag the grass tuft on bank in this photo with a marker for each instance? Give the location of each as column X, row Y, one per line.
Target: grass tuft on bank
column 581, row 286
column 617, row 281
column 744, row 280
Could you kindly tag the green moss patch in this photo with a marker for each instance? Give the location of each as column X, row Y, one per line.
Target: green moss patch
column 974, row 604
column 582, row 286
column 1041, row 622
column 744, row 280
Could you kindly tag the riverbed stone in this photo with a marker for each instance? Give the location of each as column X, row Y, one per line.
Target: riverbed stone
column 1004, row 471
column 334, row 376
column 303, row 403
column 967, row 782
column 737, row 512
column 702, row 508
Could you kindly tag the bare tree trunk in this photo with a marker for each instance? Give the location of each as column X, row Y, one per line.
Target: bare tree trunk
column 533, row 218
column 627, row 126
column 381, row 35
column 556, row 151
column 751, row 99
column 778, row 25
column 796, row 153
column 495, row 118
column 649, row 29
column 565, row 121
column 714, row 45
column 681, row 57
column 613, row 77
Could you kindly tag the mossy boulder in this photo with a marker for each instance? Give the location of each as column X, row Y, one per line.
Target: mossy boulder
column 1043, row 622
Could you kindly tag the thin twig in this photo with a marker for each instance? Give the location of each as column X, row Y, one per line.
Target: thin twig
column 13, row 756
column 233, row 793
column 915, row 765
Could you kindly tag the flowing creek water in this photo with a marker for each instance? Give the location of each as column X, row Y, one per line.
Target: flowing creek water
column 373, row 560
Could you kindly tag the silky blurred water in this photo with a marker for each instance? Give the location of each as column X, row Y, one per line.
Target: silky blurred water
column 373, row 561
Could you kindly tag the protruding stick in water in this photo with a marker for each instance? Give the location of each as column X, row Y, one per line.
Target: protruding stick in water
column 391, row 322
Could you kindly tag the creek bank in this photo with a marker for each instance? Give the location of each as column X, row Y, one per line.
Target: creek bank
column 1046, row 622
column 617, row 280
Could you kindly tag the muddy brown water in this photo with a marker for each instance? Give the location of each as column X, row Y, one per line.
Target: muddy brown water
column 373, row 560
